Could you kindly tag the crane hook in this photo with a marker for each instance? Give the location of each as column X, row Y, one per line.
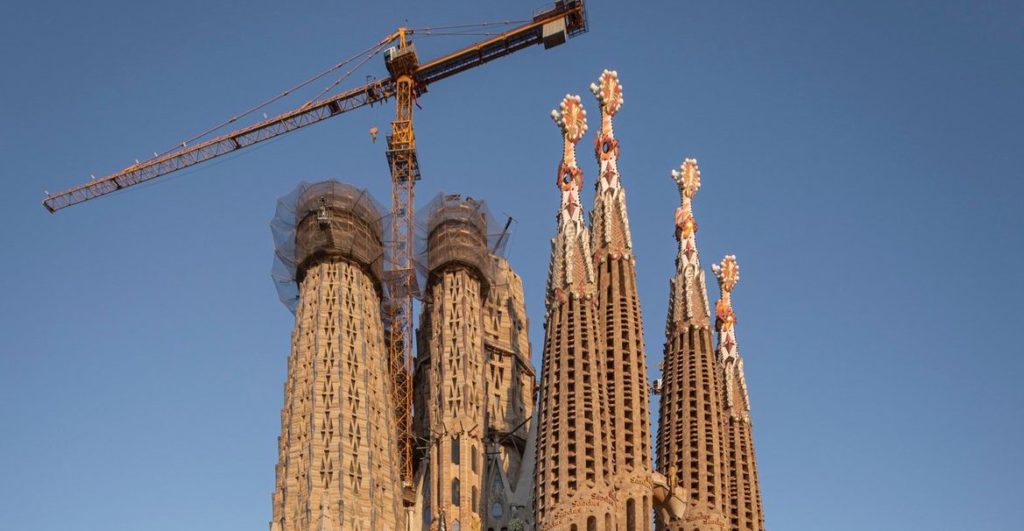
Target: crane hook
column 373, row 135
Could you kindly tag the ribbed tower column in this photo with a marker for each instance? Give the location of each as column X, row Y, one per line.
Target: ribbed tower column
column 573, row 460
column 689, row 434
column 452, row 353
column 621, row 323
column 744, row 508
column 337, row 465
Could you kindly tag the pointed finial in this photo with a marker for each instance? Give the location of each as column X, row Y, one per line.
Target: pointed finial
column 572, row 120
column 728, row 274
column 608, row 91
column 687, row 177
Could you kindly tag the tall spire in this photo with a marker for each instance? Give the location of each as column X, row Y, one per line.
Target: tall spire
column 573, row 459
column 744, row 507
column 690, row 447
column 621, row 322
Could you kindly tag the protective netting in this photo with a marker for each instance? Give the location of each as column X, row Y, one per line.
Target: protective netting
column 323, row 221
column 456, row 229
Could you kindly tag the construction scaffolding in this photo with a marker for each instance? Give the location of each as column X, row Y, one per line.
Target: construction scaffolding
column 452, row 228
column 322, row 221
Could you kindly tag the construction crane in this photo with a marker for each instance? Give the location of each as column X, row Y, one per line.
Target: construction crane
column 407, row 81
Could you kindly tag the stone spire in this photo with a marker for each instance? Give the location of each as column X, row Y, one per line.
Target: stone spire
column 689, row 443
column 573, row 460
column 744, row 510
column 621, row 322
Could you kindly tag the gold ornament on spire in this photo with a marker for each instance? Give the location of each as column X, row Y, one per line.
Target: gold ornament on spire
column 688, row 178
column 573, row 118
column 728, row 274
column 608, row 91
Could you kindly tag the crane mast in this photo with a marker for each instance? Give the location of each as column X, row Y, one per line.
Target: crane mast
column 408, row 79
column 400, row 279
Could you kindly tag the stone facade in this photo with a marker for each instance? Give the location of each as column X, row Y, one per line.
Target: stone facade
column 452, row 365
column 473, row 383
column 510, row 402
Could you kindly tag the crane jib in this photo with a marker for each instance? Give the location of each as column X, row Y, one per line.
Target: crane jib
column 566, row 19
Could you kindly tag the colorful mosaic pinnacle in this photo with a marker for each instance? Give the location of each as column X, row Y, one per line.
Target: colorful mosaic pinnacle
column 687, row 178
column 608, row 91
column 610, row 223
column 572, row 120
column 728, row 274
column 572, row 269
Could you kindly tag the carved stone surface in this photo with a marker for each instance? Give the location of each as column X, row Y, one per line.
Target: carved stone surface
column 621, row 324
column 473, row 387
column 337, row 450
column 573, row 457
column 690, row 433
column 744, row 509
column 510, row 395
column 337, row 464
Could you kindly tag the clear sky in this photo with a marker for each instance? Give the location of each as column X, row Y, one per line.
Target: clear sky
column 860, row 158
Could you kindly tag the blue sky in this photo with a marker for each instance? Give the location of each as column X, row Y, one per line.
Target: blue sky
column 860, row 158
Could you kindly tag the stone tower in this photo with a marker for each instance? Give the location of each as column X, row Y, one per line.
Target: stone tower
column 337, row 466
column 510, row 399
column 451, row 363
column 690, row 439
column 621, row 323
column 573, row 459
column 743, row 494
